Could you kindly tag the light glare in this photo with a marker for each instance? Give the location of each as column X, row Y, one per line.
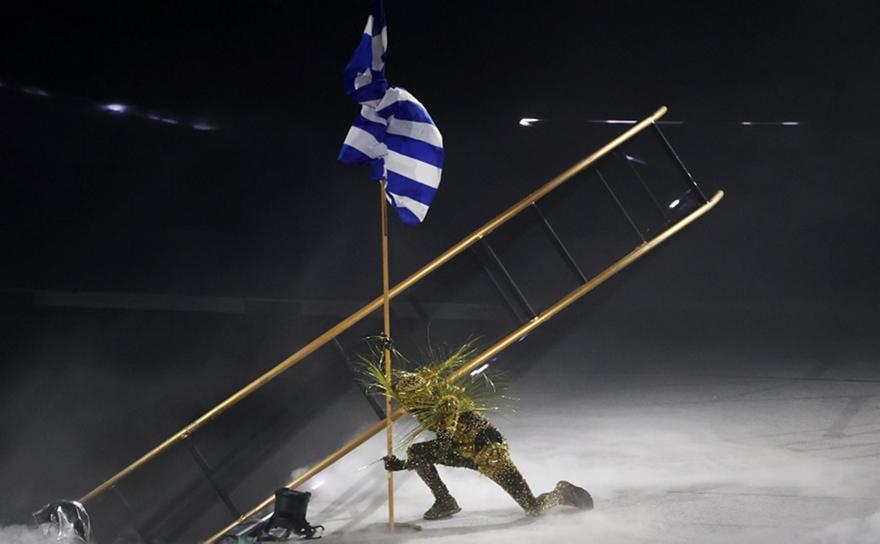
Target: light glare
column 34, row 91
column 770, row 123
column 115, row 108
column 119, row 108
column 203, row 126
column 635, row 159
column 480, row 370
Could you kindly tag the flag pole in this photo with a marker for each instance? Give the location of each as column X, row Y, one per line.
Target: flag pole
column 386, row 310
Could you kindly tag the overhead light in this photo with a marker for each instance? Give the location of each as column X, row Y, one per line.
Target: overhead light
column 115, row 108
column 636, row 160
column 614, row 121
column 34, row 91
column 674, row 203
column 480, row 370
column 531, row 121
column 770, row 123
column 203, row 126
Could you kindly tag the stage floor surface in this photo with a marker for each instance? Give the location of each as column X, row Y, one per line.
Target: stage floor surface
column 683, row 455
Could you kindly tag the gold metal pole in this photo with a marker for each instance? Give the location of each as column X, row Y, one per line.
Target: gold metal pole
column 386, row 311
column 492, row 351
column 366, row 310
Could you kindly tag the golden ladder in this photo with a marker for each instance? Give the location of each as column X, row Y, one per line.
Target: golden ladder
column 485, row 356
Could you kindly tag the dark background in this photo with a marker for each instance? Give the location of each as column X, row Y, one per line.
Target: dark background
column 150, row 269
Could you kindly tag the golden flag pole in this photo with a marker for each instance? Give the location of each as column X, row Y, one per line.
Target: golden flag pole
column 386, row 309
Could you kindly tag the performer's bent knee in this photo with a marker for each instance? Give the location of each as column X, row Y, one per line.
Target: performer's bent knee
column 493, row 459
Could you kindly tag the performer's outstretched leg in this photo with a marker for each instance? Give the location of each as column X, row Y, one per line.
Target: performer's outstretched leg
column 495, row 463
column 510, row 479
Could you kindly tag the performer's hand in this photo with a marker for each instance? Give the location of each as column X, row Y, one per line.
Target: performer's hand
column 393, row 463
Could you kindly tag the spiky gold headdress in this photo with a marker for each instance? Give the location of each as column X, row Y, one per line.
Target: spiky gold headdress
column 421, row 389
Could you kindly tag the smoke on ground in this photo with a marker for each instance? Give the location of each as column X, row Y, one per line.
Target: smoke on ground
column 852, row 531
column 22, row 534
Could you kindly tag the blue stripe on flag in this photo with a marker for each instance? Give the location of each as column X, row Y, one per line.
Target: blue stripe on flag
column 376, row 129
column 402, row 185
column 360, row 60
column 416, row 149
column 350, row 155
column 378, row 18
column 406, row 216
column 373, row 91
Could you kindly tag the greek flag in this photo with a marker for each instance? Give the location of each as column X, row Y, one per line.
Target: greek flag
column 393, row 132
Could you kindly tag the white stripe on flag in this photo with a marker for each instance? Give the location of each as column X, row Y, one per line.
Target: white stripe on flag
column 364, row 142
column 417, row 208
column 412, row 168
column 425, row 132
column 403, row 94
column 368, row 30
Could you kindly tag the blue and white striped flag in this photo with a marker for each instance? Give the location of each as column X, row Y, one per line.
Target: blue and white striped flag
column 393, row 132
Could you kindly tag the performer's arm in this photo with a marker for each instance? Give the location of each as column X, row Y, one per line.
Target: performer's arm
column 447, row 411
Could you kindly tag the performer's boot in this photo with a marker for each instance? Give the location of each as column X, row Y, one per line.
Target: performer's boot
column 444, row 504
column 572, row 495
column 443, row 507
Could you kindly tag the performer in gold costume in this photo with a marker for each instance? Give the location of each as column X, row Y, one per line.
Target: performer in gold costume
column 464, row 436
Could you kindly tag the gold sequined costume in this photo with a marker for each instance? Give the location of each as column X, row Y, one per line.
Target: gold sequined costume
column 464, row 438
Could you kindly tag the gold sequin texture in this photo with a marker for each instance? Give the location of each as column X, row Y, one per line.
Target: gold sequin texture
column 464, row 439
column 464, row 436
